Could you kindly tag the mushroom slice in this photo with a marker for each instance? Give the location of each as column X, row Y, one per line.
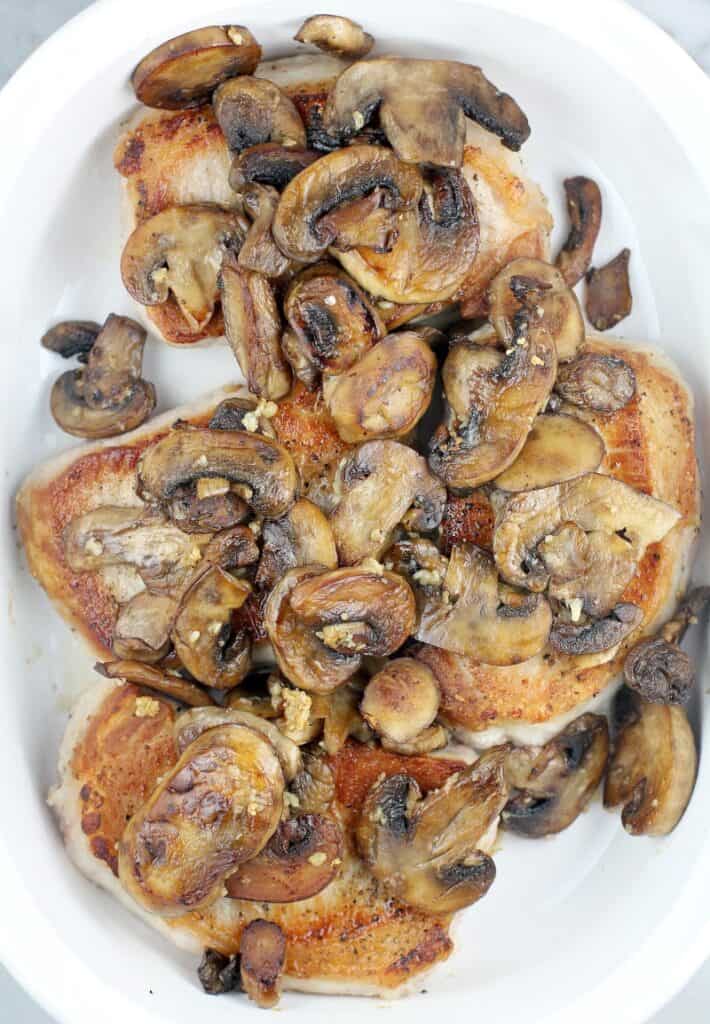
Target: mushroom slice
column 386, row 393
column 595, row 381
column 653, row 767
column 423, row 106
column 473, row 614
column 210, row 508
column 618, row 522
column 252, row 326
column 299, row 861
column 333, row 323
column 109, row 396
column 218, row 974
column 184, row 71
column 185, row 456
column 191, row 724
column 433, row 738
column 334, row 34
column 179, row 251
column 340, row 714
column 322, row 624
column 599, row 635
column 260, row 252
column 251, row 111
column 557, row 448
column 609, row 297
column 657, row 668
column 383, row 483
column 142, row 629
column 204, row 638
column 336, row 180
column 401, row 700
column 71, row 338
column 217, row 808
column 315, row 786
column 584, row 206
column 153, row 678
column 428, row 852
column 269, row 164
column 302, row 537
column 553, row 784
column 262, row 953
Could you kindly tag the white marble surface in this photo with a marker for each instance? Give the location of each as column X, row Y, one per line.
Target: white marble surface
column 25, row 23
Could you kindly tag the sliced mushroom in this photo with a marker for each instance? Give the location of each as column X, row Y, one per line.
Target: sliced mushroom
column 609, row 298
column 401, row 700
column 584, row 206
column 209, row 507
column 595, row 381
column 553, row 784
column 653, row 767
column 191, row 724
column 251, row 111
column 262, row 953
column 473, row 614
column 232, row 549
column 153, row 678
column 557, row 448
column 429, row 852
column 244, row 413
column 322, row 624
column 302, row 537
column 109, row 397
column 423, row 106
column 71, row 338
column 340, row 713
column 299, row 861
column 269, row 164
column 185, row 456
column 304, row 226
column 211, row 650
column 218, row 974
column 217, row 808
column 252, row 326
column 333, row 323
column 598, row 635
column 386, row 393
column 314, row 788
column 260, row 251
column 433, row 738
column 383, row 483
column 179, row 251
column 184, row 71
column 657, row 668
column 334, row 34
column 142, row 629
column 584, row 537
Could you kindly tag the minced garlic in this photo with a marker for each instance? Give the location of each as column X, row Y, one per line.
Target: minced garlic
column 146, row 707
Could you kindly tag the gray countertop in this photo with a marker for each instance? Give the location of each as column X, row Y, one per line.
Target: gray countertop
column 25, row 24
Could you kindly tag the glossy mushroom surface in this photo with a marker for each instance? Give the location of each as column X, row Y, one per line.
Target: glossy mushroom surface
column 251, row 111
column 335, row 34
column 401, row 700
column 609, row 298
column 262, row 953
column 599, row 382
column 584, row 207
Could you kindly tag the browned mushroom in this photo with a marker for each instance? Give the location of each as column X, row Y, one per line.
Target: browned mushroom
column 553, row 784
column 208, row 507
column 269, row 164
column 142, row 629
column 401, row 700
column 335, row 34
column 609, row 297
column 191, row 724
column 423, row 105
column 558, row 447
column 382, row 484
column 656, row 667
column 262, row 952
column 187, row 455
column 385, row 393
column 251, row 111
column 322, row 624
column 595, row 381
column 244, row 412
column 433, row 738
column 333, row 323
column 314, row 788
column 179, row 251
column 252, row 326
column 653, row 767
column 218, row 807
column 260, row 251
column 302, row 537
column 299, row 861
column 217, row 973
column 184, row 71
column 109, row 396
column 584, row 206
column 210, row 648
column 597, row 635
column 71, row 338
column 429, row 852
column 340, row 714
column 153, row 678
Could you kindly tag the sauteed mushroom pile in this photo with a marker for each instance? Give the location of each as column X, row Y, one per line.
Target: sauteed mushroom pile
column 280, row 613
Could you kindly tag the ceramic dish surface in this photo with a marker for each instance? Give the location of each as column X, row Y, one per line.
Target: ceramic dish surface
column 591, row 922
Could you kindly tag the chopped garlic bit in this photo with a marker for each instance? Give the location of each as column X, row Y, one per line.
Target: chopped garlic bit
column 255, row 527
column 427, row 577
column 250, row 422
column 358, row 120
column 264, row 409
column 291, row 800
column 211, row 487
column 202, row 461
column 243, row 490
column 330, row 300
column 146, row 707
column 214, row 628
column 536, row 361
column 93, row 547
column 575, row 606
column 317, row 858
column 377, row 536
column 194, row 636
column 372, row 565
column 236, row 37
column 296, row 710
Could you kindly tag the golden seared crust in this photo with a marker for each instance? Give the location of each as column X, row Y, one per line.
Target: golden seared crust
column 348, row 938
column 306, row 428
column 650, row 445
